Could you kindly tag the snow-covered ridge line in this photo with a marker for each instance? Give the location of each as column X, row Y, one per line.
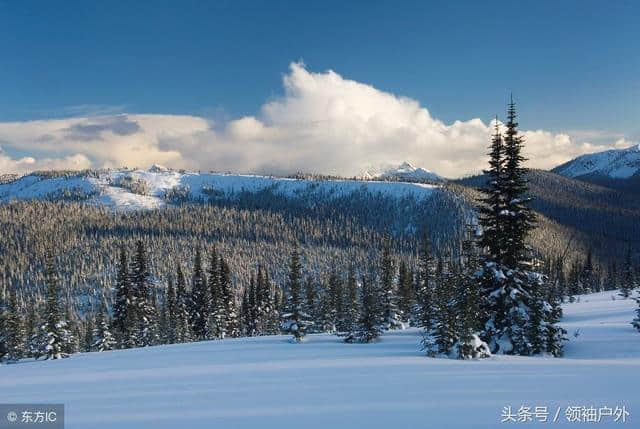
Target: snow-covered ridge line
column 157, row 187
column 614, row 163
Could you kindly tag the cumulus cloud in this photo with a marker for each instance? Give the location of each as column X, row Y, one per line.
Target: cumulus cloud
column 323, row 123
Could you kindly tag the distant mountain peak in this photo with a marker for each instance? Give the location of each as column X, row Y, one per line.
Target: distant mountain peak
column 614, row 163
column 157, row 168
column 403, row 171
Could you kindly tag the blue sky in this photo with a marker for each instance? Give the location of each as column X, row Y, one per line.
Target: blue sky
column 574, row 66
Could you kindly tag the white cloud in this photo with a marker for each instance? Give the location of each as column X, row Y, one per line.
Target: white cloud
column 323, row 123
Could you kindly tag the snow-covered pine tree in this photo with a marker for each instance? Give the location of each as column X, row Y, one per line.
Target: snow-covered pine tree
column 351, row 310
column 267, row 297
column 231, row 325
column 335, row 298
column 163, row 318
column 389, row 308
column 588, row 276
column 55, row 328
column 146, row 317
column 262, row 304
column 72, row 342
column 34, row 334
column 439, row 340
column 405, row 292
column 323, row 321
column 628, row 281
column 508, row 282
column 423, row 316
column 200, row 300
column 124, row 314
column 294, row 320
column 313, row 305
column 183, row 330
column 87, row 343
column 171, row 313
column 217, row 314
column 14, row 329
column 469, row 305
column 368, row 328
column 555, row 334
column 493, row 208
column 103, row 339
column 248, row 308
column 612, row 276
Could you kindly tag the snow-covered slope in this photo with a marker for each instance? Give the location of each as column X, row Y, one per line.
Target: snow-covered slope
column 323, row 383
column 616, row 164
column 404, row 171
column 147, row 189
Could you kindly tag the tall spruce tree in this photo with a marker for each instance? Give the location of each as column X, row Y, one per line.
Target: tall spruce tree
column 424, row 314
column 469, row 304
column 510, row 287
column 183, row 330
column 368, row 328
column 87, row 345
column 248, row 309
column 389, row 306
column 55, row 329
column 268, row 316
column 171, row 303
column 14, row 329
column 313, row 305
column 145, row 312
column 442, row 336
column 335, row 298
column 231, row 325
column 628, row 281
column 217, row 304
column 493, row 208
column 123, row 306
column 200, row 313
column 351, row 310
column 295, row 320
column 405, row 292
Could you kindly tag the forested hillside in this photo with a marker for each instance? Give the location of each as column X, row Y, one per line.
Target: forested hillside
column 599, row 219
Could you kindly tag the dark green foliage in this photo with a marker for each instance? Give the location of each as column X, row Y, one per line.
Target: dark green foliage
column 145, row 333
column 405, row 292
column 425, row 284
column 103, row 339
column 517, row 314
column 390, row 317
column 628, row 280
column 368, row 328
column 200, row 300
column 56, row 335
column 295, row 320
column 123, row 305
column 231, row 327
column 14, row 333
column 183, row 330
column 351, row 308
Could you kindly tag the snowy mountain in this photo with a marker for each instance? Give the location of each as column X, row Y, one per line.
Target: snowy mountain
column 148, row 189
column 614, row 164
column 268, row 382
column 404, row 171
